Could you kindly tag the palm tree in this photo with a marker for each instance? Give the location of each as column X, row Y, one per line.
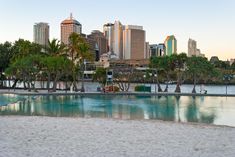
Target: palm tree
column 73, row 49
column 55, row 48
column 78, row 51
column 84, row 55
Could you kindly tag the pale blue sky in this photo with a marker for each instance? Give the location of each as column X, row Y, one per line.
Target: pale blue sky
column 210, row 22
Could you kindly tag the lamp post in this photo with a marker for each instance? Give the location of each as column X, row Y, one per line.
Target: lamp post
column 83, row 70
column 155, row 76
column 227, row 78
column 144, row 82
column 151, row 76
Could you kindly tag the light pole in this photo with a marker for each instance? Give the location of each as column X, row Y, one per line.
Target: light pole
column 144, row 82
column 155, row 76
column 83, row 69
column 227, row 78
column 152, row 77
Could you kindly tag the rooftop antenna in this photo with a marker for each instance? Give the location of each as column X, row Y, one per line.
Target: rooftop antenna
column 71, row 16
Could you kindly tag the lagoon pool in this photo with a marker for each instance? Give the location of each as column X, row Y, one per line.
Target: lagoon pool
column 210, row 110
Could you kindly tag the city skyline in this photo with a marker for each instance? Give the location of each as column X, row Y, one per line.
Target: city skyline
column 211, row 22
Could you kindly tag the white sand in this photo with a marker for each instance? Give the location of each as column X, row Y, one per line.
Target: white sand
column 73, row 137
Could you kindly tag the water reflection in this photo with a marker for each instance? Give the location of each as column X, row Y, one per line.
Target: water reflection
column 170, row 108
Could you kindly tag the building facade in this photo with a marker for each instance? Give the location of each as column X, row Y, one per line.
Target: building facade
column 118, row 39
column 100, row 41
column 171, row 45
column 147, row 50
column 134, row 42
column 108, row 30
column 69, row 26
column 41, row 33
column 161, row 49
column 192, row 48
column 153, row 50
column 157, row 50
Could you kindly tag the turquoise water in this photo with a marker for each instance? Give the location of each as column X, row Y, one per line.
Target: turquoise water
column 211, row 110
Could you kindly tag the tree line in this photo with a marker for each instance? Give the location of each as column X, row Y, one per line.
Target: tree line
column 24, row 61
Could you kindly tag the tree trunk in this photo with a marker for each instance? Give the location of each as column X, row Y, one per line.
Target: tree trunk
column 54, row 85
column 1, row 77
column 66, row 83
column 127, row 86
column 14, row 84
column 194, row 85
column 48, row 81
column 24, row 84
column 55, row 81
column 28, row 84
column 159, row 86
column 168, row 79
column 120, row 86
column 82, row 88
column 177, row 89
column 9, row 82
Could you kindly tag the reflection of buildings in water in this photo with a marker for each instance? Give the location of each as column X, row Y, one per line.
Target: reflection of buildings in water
column 127, row 107
column 162, row 108
column 169, row 108
column 177, row 102
column 198, row 110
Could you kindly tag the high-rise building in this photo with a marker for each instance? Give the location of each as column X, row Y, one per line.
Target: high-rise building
column 171, row 45
column 193, row 50
column 134, row 42
column 100, row 41
column 157, row 50
column 192, row 47
column 69, row 26
column 147, row 50
column 161, row 49
column 108, row 30
column 153, row 50
column 118, row 39
column 41, row 33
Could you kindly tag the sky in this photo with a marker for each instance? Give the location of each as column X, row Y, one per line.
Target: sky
column 210, row 22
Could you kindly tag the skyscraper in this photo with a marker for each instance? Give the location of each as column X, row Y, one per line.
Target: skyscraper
column 134, row 42
column 157, row 50
column 100, row 41
column 193, row 50
column 108, row 30
column 171, row 45
column 192, row 47
column 41, row 33
column 69, row 26
column 118, row 39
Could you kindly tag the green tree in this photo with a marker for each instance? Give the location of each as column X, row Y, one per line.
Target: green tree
column 6, row 53
column 23, row 48
column 178, row 62
column 100, row 76
column 55, row 48
column 78, row 50
column 26, row 69
column 199, row 68
column 156, row 64
column 55, row 67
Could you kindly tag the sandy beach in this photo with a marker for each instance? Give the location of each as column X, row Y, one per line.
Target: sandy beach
column 50, row 136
